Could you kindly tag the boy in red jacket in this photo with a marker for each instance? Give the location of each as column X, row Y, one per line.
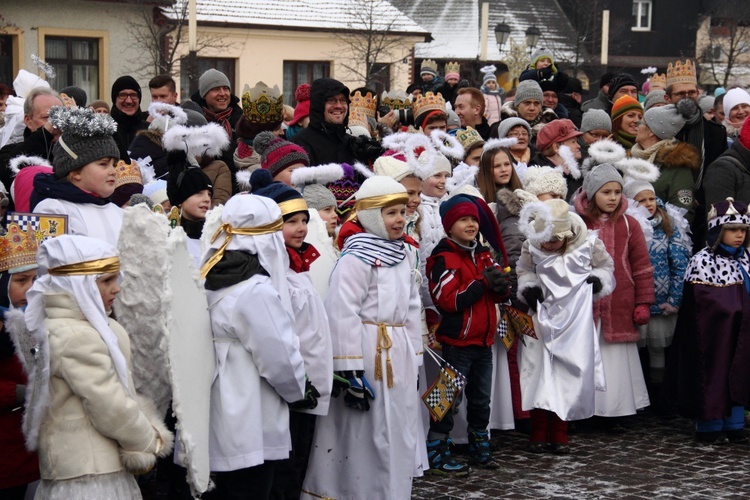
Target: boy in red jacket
column 465, row 285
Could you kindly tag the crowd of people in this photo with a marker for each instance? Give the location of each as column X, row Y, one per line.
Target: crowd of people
column 385, row 275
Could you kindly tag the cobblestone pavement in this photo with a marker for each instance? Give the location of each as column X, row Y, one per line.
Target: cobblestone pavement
column 655, row 458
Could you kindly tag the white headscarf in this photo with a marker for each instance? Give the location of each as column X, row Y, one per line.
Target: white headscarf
column 245, row 211
column 62, row 251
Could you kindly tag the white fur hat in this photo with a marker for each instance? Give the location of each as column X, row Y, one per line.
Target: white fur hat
column 541, row 180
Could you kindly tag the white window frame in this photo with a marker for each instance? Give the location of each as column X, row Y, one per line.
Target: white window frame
column 639, row 5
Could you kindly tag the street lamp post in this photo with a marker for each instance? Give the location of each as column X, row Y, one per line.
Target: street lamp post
column 532, row 37
column 502, row 33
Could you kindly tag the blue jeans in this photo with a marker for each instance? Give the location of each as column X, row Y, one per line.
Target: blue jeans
column 736, row 420
column 475, row 363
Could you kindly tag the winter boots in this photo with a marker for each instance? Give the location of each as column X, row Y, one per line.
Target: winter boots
column 479, row 449
column 441, row 461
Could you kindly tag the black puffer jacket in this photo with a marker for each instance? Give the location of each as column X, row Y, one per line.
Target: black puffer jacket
column 327, row 142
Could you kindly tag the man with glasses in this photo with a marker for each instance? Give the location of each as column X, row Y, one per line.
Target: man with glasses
column 126, row 111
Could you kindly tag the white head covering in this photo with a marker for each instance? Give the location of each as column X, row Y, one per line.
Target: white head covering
column 62, row 251
column 245, row 211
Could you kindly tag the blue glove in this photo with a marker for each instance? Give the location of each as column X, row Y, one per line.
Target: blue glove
column 356, row 396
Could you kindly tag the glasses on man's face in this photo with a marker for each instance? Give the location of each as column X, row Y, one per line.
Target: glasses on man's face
column 685, row 93
column 333, row 100
column 124, row 96
column 519, row 135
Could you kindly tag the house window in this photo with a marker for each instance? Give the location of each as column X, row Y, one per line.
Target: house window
column 223, row 64
column 7, row 48
column 76, row 62
column 298, row 72
column 642, row 15
column 380, row 78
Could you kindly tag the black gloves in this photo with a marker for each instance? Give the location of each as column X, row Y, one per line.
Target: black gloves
column 532, row 296
column 596, row 282
column 356, row 396
column 497, row 280
column 310, row 400
column 339, row 384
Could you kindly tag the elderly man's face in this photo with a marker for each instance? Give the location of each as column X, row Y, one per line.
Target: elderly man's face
column 128, row 102
column 40, row 111
column 336, row 109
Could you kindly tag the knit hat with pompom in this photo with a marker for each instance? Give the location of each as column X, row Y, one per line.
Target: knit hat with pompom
column 290, row 200
column 277, row 154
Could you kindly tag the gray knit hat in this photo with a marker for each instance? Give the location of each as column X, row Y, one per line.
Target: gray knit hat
column 599, row 176
column 653, row 98
column 211, row 79
column 596, row 119
column 509, row 123
column 664, row 121
column 528, row 89
column 706, row 102
column 318, row 196
column 86, row 137
column 453, row 119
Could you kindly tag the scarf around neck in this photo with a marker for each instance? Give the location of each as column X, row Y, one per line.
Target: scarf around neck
column 649, row 154
column 624, row 139
column 235, row 266
column 736, row 254
column 222, row 118
column 374, row 250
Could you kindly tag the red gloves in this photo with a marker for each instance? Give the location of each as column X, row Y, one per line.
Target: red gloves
column 641, row 314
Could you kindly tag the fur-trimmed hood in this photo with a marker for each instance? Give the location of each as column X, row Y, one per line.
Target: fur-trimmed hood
column 508, row 204
column 679, row 154
column 154, row 136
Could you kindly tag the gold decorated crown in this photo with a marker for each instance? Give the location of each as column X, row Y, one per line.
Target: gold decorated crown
column 468, row 137
column 262, row 104
column 361, row 107
column 396, row 99
column 452, row 67
column 18, row 247
column 428, row 65
column 427, row 102
column 680, row 72
column 127, row 173
column 657, row 81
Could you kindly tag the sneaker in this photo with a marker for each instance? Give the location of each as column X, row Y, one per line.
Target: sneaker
column 441, row 461
column 738, row 436
column 479, row 449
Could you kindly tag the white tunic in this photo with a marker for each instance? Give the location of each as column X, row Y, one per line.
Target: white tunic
column 102, row 222
column 259, row 369
column 322, row 267
column 562, row 370
column 357, row 454
column 311, row 327
column 432, row 232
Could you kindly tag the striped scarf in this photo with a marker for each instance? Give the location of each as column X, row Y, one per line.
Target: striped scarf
column 374, row 250
column 222, row 118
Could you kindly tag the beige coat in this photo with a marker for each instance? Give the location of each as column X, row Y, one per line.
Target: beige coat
column 91, row 426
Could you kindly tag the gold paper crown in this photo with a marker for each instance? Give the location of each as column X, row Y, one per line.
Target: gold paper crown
column 127, row 173
column 396, row 99
column 681, row 73
column 427, row 102
column 657, row 81
column 452, row 67
column 468, row 137
column 361, row 107
column 263, row 104
column 18, row 247
column 428, row 64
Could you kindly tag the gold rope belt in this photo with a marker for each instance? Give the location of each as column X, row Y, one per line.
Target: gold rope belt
column 384, row 342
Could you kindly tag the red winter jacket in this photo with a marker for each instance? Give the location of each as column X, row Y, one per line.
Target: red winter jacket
column 461, row 294
column 634, row 274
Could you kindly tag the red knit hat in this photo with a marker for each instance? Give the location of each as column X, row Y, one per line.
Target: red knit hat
column 455, row 211
column 302, row 96
column 745, row 134
column 276, row 154
column 623, row 105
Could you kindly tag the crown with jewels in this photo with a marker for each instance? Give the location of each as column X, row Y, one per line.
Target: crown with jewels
column 468, row 137
column 396, row 99
column 262, row 104
column 680, row 72
column 452, row 67
column 658, row 81
column 127, row 173
column 361, row 107
column 18, row 247
column 427, row 102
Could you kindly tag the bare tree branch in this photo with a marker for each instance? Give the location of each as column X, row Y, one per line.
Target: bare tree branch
column 726, row 45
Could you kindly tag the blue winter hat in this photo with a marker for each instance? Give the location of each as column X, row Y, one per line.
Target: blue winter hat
column 289, row 200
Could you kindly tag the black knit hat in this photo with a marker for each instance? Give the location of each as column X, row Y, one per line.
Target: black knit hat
column 125, row 83
column 76, row 93
column 619, row 81
column 184, row 179
column 262, row 184
column 86, row 137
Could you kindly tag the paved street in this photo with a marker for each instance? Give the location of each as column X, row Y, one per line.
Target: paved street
column 656, row 458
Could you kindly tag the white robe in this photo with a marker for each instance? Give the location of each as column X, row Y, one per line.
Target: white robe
column 102, row 222
column 311, row 327
column 357, row 454
column 432, row 232
column 259, row 369
column 562, row 370
column 317, row 236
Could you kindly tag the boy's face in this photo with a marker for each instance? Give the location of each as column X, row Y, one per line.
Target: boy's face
column 19, row 285
column 195, row 207
column 464, row 230
column 109, row 287
column 330, row 217
column 734, row 237
column 435, row 185
column 97, row 177
column 295, row 230
column 285, row 176
column 426, row 77
column 394, row 218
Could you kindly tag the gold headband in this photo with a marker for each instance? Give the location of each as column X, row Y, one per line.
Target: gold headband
column 272, row 227
column 99, row 266
column 384, row 200
column 291, row 206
